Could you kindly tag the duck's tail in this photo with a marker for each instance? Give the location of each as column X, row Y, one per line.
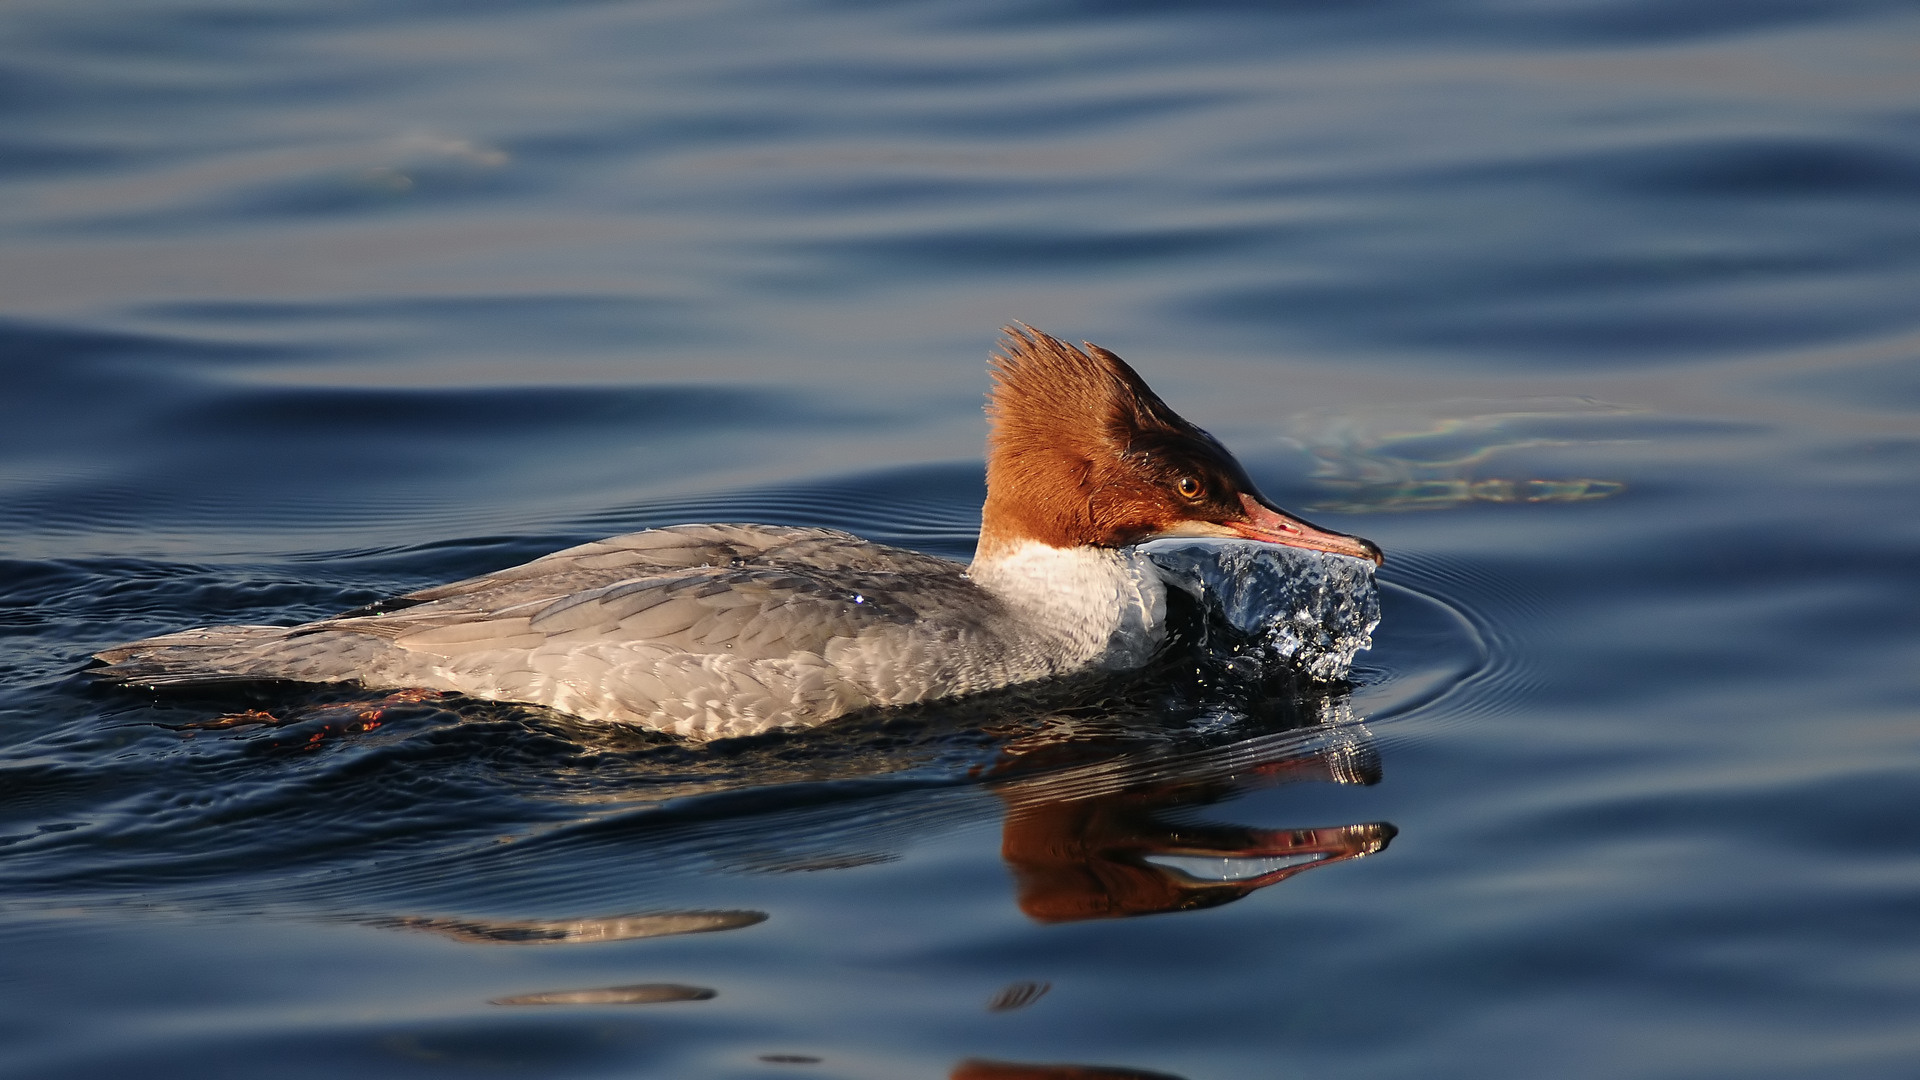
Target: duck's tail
column 227, row 654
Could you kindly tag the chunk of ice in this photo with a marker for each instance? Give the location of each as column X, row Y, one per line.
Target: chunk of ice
column 1308, row 610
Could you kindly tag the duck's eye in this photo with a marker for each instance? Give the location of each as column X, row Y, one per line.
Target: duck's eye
column 1188, row 487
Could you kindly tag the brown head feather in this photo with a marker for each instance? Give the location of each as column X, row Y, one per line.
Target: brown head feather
column 1081, row 451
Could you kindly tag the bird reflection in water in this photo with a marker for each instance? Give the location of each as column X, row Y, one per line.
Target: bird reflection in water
column 1096, row 842
column 1092, row 829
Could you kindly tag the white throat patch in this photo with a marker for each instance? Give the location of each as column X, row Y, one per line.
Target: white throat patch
column 1105, row 607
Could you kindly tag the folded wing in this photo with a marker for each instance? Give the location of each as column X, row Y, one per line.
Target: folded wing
column 703, row 630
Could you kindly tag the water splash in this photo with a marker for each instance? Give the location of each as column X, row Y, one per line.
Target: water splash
column 1275, row 606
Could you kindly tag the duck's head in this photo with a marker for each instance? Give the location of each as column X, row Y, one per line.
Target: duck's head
column 1082, row 453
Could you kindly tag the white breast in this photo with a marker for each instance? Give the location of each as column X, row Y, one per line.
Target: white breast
column 1099, row 607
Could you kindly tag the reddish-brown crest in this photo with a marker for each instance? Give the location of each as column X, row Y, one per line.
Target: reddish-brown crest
column 1081, row 451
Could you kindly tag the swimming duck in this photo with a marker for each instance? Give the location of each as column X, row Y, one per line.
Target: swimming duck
column 713, row 631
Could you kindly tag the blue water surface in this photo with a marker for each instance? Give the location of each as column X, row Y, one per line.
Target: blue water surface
column 1598, row 316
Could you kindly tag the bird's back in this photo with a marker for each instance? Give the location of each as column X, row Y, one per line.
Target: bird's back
column 702, row 630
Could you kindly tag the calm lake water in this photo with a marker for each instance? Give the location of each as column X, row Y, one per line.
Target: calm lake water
column 1600, row 317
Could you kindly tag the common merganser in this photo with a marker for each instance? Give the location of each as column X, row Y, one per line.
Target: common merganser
column 714, row 631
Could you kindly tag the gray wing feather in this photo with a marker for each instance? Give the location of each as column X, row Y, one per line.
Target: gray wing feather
column 705, row 630
column 683, row 547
